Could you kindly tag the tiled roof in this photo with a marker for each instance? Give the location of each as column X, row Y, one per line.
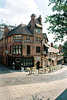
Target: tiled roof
column 51, row 49
column 21, row 29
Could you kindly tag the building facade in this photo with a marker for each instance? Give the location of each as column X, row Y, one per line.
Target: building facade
column 26, row 46
column 10, row 27
column 52, row 56
column 22, row 45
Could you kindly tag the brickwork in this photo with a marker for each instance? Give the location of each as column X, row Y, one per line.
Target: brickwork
column 18, row 37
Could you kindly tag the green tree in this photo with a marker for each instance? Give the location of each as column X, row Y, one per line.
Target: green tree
column 58, row 21
column 65, row 50
column 55, row 46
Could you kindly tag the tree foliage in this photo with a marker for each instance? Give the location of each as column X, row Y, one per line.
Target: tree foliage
column 58, row 21
column 55, row 46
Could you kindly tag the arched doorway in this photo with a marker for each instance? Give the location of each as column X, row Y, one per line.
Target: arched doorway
column 38, row 64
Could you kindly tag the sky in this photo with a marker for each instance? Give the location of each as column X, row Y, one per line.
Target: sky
column 15, row 12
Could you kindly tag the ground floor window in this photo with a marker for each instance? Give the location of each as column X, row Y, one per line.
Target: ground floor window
column 59, row 62
column 28, row 62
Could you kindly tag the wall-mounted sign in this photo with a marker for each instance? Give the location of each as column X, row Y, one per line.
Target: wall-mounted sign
column 38, row 58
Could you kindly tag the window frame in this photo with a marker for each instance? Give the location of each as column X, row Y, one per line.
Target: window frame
column 37, row 49
column 17, row 50
column 36, row 39
column 27, row 37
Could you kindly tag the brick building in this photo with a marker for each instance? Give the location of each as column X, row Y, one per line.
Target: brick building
column 22, row 44
column 26, row 45
column 2, row 25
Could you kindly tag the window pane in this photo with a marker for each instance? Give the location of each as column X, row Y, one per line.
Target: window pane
column 16, row 51
column 27, row 38
column 37, row 49
column 39, row 39
column 13, row 50
column 36, row 39
column 19, row 51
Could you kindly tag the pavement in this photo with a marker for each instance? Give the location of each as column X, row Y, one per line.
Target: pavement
column 17, row 85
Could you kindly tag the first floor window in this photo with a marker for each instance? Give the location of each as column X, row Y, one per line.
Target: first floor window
column 10, row 49
column 28, row 49
column 36, row 39
column 39, row 39
column 17, row 50
column 37, row 49
column 27, row 38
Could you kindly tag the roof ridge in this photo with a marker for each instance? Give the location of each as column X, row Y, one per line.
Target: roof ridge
column 12, row 30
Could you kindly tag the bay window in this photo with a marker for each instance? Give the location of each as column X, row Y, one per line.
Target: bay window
column 17, row 50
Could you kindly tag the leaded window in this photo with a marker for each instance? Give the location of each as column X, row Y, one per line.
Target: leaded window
column 17, row 50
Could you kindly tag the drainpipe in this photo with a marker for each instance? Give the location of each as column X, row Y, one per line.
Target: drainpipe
column 41, row 55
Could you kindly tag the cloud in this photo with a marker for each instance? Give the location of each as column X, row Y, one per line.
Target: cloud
column 16, row 11
column 19, row 11
column 2, row 3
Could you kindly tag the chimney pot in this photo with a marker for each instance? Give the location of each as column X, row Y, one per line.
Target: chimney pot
column 51, row 44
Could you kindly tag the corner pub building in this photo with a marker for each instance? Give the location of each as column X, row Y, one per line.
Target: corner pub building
column 23, row 45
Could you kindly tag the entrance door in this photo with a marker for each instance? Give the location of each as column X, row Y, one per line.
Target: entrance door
column 38, row 65
column 17, row 63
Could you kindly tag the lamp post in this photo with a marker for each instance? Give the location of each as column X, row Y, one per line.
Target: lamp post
column 7, row 52
column 13, row 65
column 22, row 68
column 41, row 54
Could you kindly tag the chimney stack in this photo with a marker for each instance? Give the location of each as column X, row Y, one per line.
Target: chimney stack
column 40, row 19
column 33, row 17
column 51, row 44
column 32, row 21
column 6, row 30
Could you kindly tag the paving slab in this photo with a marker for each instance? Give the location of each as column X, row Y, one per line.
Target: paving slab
column 21, row 86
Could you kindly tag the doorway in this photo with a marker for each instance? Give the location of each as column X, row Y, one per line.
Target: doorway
column 38, row 64
column 17, row 63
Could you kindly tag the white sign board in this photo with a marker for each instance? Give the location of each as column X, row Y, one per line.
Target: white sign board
column 38, row 58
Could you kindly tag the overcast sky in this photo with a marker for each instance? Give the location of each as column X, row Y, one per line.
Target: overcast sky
column 15, row 12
